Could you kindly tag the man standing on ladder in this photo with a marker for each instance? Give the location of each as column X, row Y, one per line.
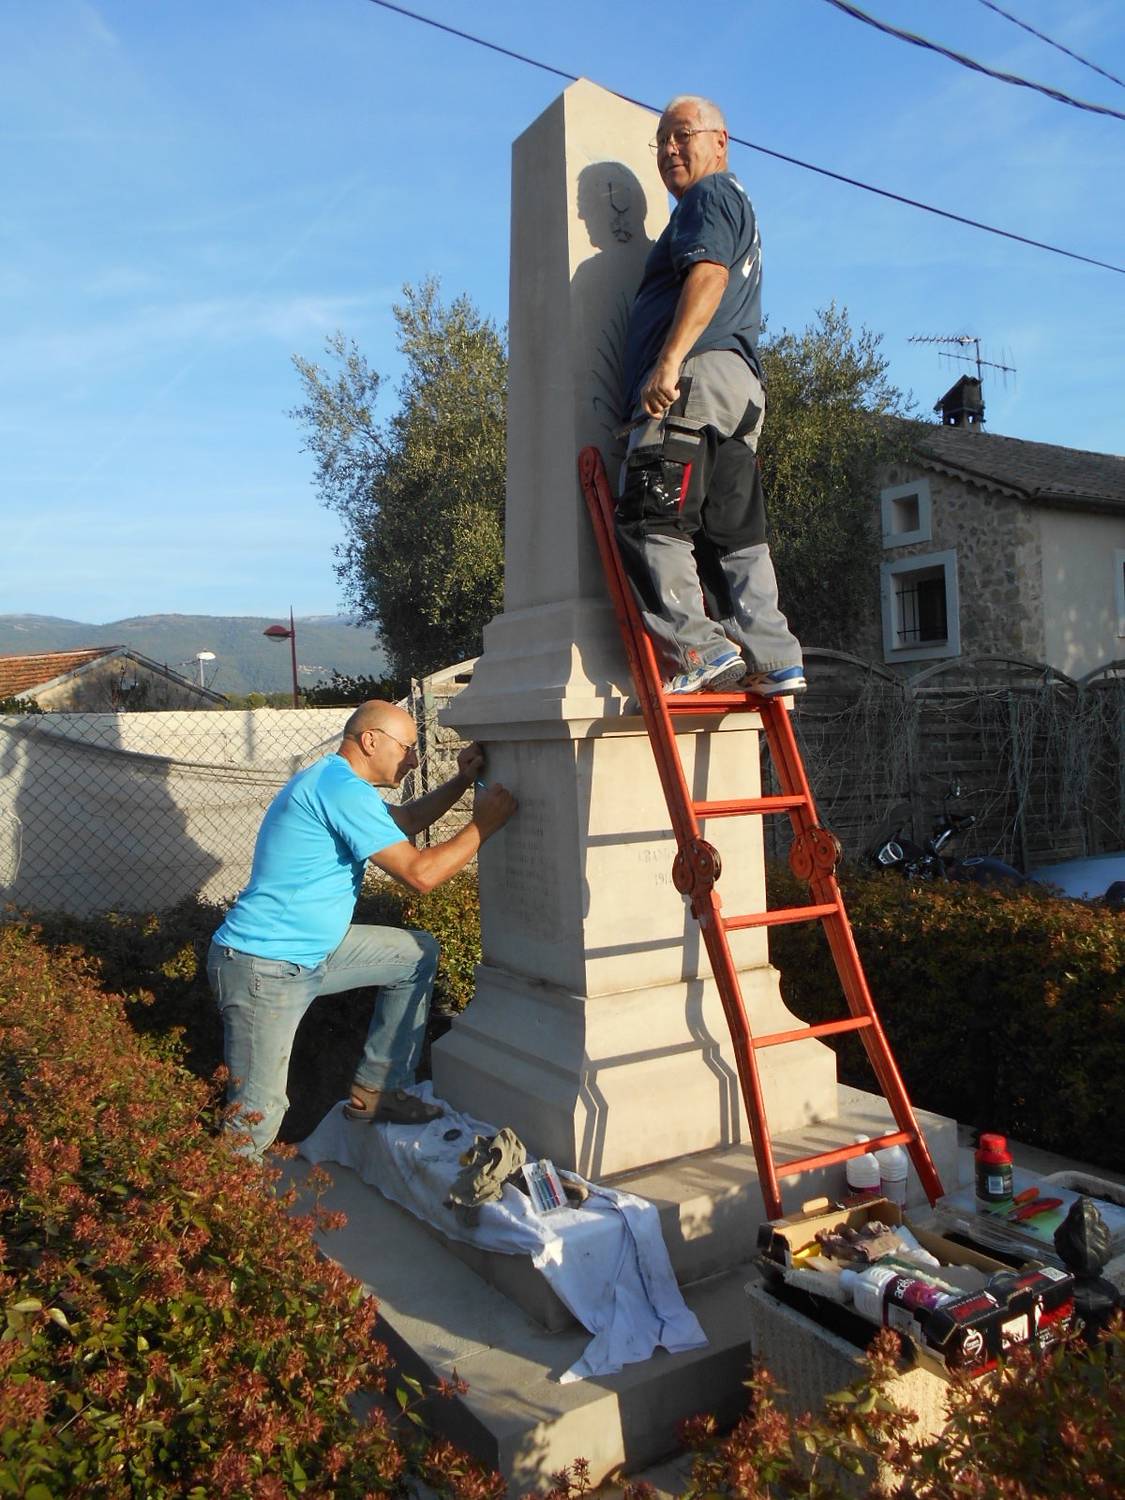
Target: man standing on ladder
column 691, row 514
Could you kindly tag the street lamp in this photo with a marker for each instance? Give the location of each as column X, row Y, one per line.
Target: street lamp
column 279, row 633
column 201, row 657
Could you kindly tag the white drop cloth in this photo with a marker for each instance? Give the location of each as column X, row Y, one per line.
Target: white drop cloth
column 606, row 1260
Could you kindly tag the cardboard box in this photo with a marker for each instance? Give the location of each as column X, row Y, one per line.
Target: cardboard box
column 971, row 1331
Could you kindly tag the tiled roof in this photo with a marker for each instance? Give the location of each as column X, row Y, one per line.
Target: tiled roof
column 1042, row 472
column 19, row 674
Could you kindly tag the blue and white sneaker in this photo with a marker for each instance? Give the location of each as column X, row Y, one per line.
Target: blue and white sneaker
column 722, row 675
column 775, row 684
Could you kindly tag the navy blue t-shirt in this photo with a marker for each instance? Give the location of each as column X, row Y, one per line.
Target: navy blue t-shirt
column 713, row 221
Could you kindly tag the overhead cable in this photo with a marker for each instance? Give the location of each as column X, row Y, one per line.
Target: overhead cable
column 1085, row 61
column 795, row 161
column 969, row 62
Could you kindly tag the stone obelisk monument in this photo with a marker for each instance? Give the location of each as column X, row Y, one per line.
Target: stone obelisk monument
column 596, row 1031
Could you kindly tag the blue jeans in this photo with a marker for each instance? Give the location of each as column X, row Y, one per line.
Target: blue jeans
column 262, row 1001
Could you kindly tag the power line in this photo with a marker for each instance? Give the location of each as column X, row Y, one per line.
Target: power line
column 795, row 161
column 969, row 62
column 1085, row 61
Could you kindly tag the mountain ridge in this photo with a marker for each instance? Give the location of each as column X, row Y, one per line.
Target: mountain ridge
column 246, row 661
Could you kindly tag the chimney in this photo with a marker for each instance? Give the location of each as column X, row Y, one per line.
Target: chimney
column 963, row 405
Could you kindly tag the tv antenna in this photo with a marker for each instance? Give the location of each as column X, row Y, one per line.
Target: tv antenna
column 964, row 340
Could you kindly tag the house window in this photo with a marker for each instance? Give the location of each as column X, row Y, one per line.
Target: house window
column 921, row 607
column 1119, row 557
column 906, row 513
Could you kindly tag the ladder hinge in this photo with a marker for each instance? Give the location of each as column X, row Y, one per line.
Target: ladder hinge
column 696, row 868
column 815, row 852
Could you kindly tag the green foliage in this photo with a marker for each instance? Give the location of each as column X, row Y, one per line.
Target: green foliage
column 451, row 913
column 1040, row 1429
column 344, row 690
column 1005, row 1008
column 822, row 445
column 282, row 698
column 19, row 706
column 157, row 961
column 422, row 495
column 169, row 1327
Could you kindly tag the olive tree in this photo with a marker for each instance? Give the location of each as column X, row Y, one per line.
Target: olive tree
column 421, row 492
column 829, row 429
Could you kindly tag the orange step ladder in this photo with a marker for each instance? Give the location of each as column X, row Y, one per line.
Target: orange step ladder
column 813, row 858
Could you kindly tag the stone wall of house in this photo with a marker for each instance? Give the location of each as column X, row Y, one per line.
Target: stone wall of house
column 999, row 566
column 118, row 684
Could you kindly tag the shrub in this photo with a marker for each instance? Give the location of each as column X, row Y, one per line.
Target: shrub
column 451, row 913
column 1004, row 1008
column 1040, row 1429
column 170, row 1327
column 157, row 961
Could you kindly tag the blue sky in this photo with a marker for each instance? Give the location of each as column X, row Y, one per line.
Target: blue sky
column 194, row 190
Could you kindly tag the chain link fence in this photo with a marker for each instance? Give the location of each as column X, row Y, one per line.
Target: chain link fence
column 134, row 812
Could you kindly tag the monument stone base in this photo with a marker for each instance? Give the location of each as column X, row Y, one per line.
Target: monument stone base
column 493, row 1320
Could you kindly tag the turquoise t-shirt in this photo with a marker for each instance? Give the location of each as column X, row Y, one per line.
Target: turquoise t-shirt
column 315, row 840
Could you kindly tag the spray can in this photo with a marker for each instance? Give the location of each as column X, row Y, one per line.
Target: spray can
column 862, row 1174
column 866, row 1288
column 993, row 1164
column 894, row 1168
column 878, row 1290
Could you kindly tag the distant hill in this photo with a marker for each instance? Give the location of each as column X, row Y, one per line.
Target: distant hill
column 245, row 660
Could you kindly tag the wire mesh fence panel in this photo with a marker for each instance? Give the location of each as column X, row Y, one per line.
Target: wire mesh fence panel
column 1038, row 759
column 137, row 811
column 134, row 812
column 438, row 747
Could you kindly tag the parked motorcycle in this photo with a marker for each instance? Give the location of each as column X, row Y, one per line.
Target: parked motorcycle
column 931, row 861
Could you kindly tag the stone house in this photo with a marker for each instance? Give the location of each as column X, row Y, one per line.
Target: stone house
column 998, row 546
column 100, row 679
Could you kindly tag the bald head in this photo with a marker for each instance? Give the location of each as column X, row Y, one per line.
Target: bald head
column 376, row 714
column 379, row 742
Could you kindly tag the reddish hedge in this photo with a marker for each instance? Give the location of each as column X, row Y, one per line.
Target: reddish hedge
column 170, row 1328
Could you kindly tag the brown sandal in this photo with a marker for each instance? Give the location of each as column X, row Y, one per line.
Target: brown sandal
column 389, row 1106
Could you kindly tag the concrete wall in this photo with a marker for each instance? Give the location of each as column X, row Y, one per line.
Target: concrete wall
column 133, row 812
column 1080, row 563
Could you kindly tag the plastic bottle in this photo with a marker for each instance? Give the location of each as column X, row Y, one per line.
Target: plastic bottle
column 993, row 1163
column 894, row 1168
column 862, row 1174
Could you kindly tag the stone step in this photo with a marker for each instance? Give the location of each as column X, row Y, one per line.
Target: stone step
column 710, row 1205
column 437, row 1316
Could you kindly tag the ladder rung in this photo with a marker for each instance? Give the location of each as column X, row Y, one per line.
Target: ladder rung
column 842, row 1153
column 824, row 1028
column 782, row 916
column 710, row 705
column 746, row 806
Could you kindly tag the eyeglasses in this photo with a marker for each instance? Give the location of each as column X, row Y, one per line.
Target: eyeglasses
column 374, row 729
column 681, row 135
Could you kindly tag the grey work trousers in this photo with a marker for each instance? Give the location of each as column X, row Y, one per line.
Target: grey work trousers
column 691, row 524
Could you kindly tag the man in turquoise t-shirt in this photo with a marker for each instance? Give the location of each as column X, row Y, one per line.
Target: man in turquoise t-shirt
column 289, row 936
